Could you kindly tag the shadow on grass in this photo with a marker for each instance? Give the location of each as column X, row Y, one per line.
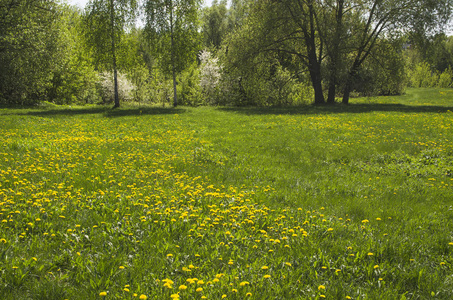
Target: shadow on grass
column 338, row 108
column 105, row 111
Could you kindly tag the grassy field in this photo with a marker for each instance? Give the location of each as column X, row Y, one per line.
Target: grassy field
column 343, row 202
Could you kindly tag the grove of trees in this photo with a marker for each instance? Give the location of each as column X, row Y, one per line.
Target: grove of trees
column 242, row 52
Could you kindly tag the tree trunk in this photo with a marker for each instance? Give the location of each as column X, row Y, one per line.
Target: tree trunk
column 115, row 72
column 332, row 88
column 175, row 94
column 314, row 69
column 347, row 89
column 317, row 86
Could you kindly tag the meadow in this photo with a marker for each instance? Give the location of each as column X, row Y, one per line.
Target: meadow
column 340, row 202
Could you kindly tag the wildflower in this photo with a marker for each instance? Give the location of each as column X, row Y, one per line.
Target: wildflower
column 182, row 287
column 174, row 296
column 248, row 294
column 288, row 264
column 264, row 267
column 267, row 276
column 199, row 289
column 370, row 254
column 376, row 266
column 321, row 287
column 244, row 283
column 143, row 297
column 103, row 294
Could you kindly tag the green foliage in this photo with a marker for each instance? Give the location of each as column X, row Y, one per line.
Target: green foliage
column 217, row 22
column 445, row 79
column 73, row 78
column 99, row 30
column 423, row 75
column 263, row 78
column 172, row 27
column 28, row 49
column 384, row 73
column 189, row 87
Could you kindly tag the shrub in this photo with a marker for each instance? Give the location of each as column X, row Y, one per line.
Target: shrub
column 210, row 75
column 445, row 79
column 107, row 91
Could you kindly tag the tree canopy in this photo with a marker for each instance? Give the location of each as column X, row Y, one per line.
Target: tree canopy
column 267, row 52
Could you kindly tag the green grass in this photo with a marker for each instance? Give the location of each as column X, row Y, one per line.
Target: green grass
column 342, row 202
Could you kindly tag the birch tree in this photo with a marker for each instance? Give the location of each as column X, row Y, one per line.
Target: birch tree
column 172, row 26
column 106, row 21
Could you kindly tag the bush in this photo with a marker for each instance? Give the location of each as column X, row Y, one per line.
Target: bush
column 189, row 92
column 422, row 76
column 107, row 90
column 446, row 79
column 210, row 75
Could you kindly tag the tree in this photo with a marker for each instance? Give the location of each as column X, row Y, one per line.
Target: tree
column 375, row 19
column 333, row 38
column 172, row 27
column 106, row 22
column 216, row 23
column 27, row 49
column 284, row 26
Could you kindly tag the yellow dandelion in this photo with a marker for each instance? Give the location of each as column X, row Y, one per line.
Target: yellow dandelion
column 143, row 297
column 103, row 294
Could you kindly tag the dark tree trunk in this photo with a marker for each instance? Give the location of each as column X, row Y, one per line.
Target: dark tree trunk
column 332, row 89
column 316, row 81
column 347, row 91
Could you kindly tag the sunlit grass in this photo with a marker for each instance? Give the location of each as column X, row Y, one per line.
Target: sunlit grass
column 191, row 203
